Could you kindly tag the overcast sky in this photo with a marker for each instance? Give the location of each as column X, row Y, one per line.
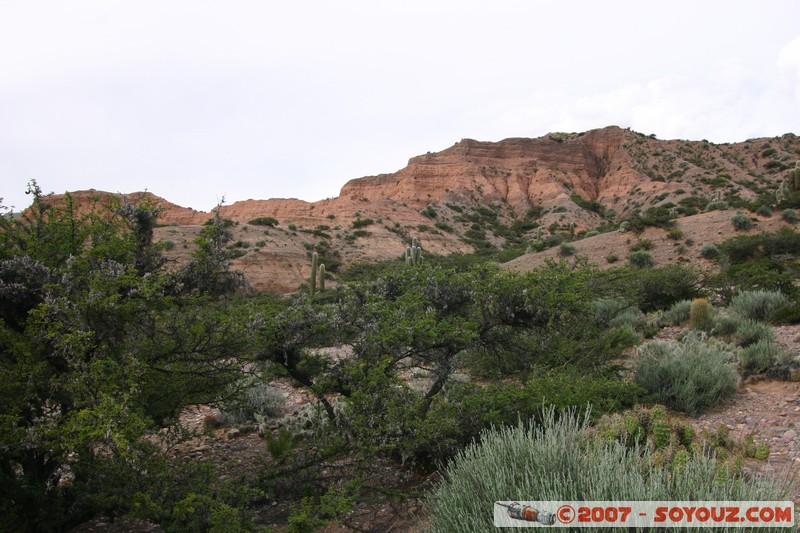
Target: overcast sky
column 196, row 100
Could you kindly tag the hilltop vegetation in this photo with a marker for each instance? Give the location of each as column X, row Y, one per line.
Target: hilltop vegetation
column 103, row 348
column 507, row 199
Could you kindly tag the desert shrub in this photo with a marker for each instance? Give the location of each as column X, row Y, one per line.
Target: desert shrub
column 566, row 250
column 612, row 258
column 789, row 215
column 251, row 397
column 764, row 211
column 759, row 274
column 429, row 212
column 675, row 234
column 701, row 315
column 758, row 304
column 640, row 259
column 311, row 421
column 444, row 226
column 641, row 244
column 719, row 205
column 692, row 375
column 658, row 288
column 631, row 316
column 741, row 222
column 752, row 331
column 362, row 222
column 726, row 324
column 560, row 460
column 783, row 242
column 760, row 356
column 709, row 251
column 463, row 410
column 264, row 221
column 606, row 309
column 678, row 313
column 224, row 222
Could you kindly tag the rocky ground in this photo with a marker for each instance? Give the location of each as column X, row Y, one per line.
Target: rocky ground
column 770, row 411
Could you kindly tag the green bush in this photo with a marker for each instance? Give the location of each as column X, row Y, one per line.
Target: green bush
column 741, row 222
column 783, row 242
column 630, row 316
column 650, row 289
column 251, row 397
column 224, row 222
column 691, row 375
column 764, row 211
column 566, row 250
column 640, row 259
column 709, row 251
column 752, row 331
column 560, row 460
column 789, row 215
column 444, row 227
column 458, row 416
column 678, row 313
column 606, row 309
column 719, row 205
column 726, row 324
column 641, row 244
column 758, row 304
column 761, row 356
column 362, row 222
column 264, row 221
column 675, row 234
column 429, row 212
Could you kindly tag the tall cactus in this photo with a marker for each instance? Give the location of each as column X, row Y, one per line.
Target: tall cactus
column 793, row 179
column 314, row 261
column 413, row 254
column 322, row 277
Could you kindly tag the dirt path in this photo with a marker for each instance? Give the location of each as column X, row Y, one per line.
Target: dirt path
column 770, row 410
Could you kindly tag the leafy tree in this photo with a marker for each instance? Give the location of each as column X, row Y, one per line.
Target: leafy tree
column 93, row 355
column 209, row 271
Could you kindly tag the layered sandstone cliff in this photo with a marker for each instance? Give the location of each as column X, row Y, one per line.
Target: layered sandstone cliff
column 470, row 194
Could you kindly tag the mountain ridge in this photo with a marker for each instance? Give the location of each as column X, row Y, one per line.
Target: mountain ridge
column 479, row 195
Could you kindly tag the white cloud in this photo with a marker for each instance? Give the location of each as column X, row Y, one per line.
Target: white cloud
column 193, row 100
column 789, row 65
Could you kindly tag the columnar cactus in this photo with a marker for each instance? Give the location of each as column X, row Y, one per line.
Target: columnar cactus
column 414, row 253
column 322, row 277
column 793, row 179
column 314, row 261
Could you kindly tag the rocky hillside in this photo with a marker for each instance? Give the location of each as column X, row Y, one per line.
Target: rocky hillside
column 517, row 193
